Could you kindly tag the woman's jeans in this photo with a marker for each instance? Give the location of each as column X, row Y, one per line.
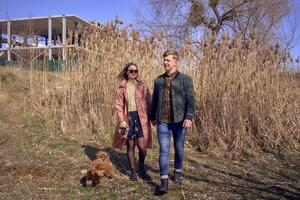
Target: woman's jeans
column 164, row 135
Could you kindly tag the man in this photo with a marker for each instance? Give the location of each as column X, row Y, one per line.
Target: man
column 172, row 110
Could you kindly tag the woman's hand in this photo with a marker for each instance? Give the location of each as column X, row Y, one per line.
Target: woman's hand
column 123, row 124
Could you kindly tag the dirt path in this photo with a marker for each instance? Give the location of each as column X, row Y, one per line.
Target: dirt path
column 37, row 162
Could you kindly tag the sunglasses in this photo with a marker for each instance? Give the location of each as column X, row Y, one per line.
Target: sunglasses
column 133, row 71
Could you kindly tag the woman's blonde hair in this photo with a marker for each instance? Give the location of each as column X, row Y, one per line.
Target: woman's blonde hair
column 123, row 75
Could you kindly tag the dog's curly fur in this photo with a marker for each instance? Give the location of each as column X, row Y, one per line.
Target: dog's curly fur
column 99, row 168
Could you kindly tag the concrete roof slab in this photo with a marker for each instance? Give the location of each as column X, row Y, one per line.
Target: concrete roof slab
column 39, row 25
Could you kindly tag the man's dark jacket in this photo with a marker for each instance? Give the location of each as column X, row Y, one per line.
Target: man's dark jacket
column 183, row 97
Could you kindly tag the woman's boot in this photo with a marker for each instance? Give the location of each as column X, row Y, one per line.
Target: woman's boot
column 133, row 176
column 142, row 170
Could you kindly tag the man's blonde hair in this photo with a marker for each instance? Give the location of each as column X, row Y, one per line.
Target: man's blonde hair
column 173, row 53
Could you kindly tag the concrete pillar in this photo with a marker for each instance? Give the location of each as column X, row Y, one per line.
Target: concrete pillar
column 64, row 36
column 54, row 38
column 8, row 41
column 25, row 41
column 13, row 41
column 49, row 38
column 0, row 39
column 36, row 40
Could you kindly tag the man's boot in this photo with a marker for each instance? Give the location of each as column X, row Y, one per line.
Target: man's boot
column 177, row 177
column 163, row 188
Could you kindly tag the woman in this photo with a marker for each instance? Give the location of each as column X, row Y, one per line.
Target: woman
column 132, row 106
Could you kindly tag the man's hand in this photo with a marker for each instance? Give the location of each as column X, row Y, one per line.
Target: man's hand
column 153, row 123
column 123, row 124
column 187, row 123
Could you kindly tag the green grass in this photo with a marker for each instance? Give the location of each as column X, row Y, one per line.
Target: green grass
column 7, row 76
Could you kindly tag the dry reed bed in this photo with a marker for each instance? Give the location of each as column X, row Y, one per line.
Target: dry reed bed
column 246, row 102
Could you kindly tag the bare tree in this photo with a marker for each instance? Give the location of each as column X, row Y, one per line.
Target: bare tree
column 181, row 18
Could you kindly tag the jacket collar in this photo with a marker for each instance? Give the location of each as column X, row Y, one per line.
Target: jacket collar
column 123, row 83
column 176, row 74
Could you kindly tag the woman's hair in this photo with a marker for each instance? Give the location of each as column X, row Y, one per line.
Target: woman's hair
column 123, row 75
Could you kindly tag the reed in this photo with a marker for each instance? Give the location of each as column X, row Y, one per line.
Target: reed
column 246, row 100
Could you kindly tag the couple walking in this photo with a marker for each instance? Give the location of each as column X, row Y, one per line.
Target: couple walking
column 170, row 109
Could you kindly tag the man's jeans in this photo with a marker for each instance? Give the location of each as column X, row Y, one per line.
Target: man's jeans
column 164, row 135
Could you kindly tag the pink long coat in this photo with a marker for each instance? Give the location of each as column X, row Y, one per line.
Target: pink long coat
column 142, row 101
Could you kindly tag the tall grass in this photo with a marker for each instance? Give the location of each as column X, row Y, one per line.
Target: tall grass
column 246, row 101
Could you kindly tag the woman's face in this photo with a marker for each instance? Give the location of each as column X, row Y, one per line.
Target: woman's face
column 132, row 72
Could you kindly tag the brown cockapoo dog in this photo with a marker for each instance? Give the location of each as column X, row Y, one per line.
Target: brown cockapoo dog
column 99, row 168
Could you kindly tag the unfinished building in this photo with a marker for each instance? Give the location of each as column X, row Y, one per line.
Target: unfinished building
column 36, row 38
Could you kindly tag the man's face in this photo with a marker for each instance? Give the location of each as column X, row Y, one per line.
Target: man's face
column 170, row 63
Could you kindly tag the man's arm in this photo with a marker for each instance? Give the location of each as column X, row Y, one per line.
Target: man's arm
column 189, row 103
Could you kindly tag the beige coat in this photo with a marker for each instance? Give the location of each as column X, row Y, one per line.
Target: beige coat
column 142, row 101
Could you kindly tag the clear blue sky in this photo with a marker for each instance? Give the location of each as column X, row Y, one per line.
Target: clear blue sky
column 100, row 10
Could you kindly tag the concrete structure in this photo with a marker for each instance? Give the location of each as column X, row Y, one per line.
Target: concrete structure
column 16, row 33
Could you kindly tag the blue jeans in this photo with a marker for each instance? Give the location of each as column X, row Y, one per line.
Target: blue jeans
column 164, row 135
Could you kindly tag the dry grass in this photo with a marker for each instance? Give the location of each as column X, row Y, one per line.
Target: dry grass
column 247, row 102
column 38, row 162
